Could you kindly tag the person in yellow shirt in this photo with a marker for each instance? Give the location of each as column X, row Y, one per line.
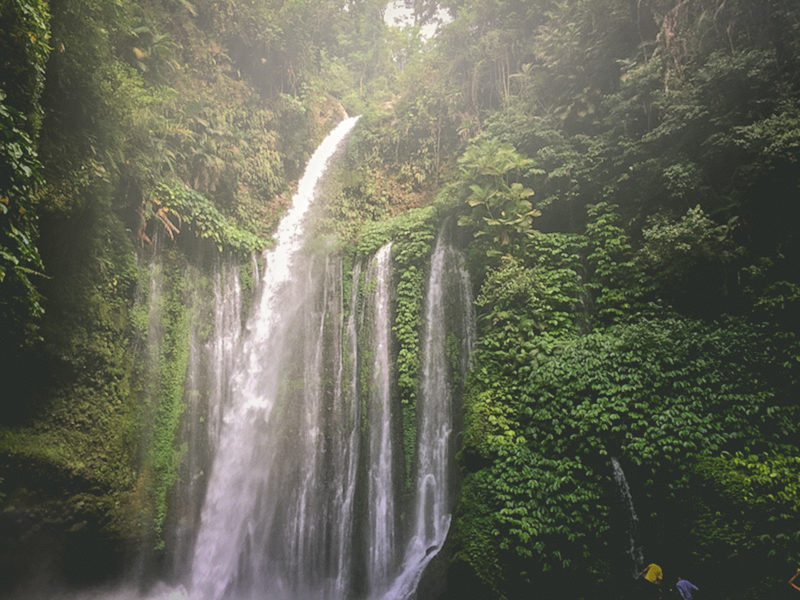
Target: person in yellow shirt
column 654, row 575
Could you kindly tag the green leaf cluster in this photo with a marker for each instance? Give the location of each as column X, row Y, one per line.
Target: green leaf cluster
column 498, row 207
column 746, row 506
column 20, row 262
column 163, row 447
column 617, row 281
column 24, row 48
column 182, row 204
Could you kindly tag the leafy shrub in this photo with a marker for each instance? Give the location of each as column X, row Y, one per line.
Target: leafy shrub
column 653, row 394
column 177, row 203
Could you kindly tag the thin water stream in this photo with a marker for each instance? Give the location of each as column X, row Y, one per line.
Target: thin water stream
column 634, row 550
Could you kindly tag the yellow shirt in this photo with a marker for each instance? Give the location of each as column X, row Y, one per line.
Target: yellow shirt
column 654, row 573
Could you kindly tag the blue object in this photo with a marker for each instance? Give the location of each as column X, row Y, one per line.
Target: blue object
column 686, row 588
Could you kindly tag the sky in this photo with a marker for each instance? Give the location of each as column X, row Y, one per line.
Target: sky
column 398, row 15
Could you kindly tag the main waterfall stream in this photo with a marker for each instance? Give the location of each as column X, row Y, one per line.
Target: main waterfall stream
column 296, row 484
column 265, row 525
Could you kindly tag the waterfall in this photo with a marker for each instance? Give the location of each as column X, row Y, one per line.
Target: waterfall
column 309, row 438
column 435, row 413
column 381, row 478
column 634, row 551
column 224, row 345
column 206, row 394
column 241, row 547
column 292, row 486
column 347, row 442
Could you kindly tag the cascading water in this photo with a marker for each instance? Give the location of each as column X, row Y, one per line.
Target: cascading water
column 346, row 444
column 381, row 478
column 297, row 415
column 302, row 449
column 634, row 551
column 436, row 420
column 435, row 451
column 241, row 548
column 206, row 394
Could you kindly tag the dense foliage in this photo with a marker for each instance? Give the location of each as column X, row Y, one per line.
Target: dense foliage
column 24, row 48
column 624, row 176
column 652, row 318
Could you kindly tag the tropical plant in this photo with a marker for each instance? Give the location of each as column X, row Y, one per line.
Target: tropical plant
column 499, row 208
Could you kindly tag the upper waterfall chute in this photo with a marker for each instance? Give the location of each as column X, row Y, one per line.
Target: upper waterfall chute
column 289, row 235
column 250, row 463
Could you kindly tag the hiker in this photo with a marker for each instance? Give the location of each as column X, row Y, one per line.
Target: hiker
column 685, row 588
column 653, row 574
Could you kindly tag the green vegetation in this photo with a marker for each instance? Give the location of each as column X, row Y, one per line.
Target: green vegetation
column 178, row 204
column 25, row 49
column 163, row 449
column 655, row 393
column 624, row 180
column 627, row 178
column 498, row 209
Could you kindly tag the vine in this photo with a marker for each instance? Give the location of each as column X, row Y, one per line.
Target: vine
column 175, row 203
